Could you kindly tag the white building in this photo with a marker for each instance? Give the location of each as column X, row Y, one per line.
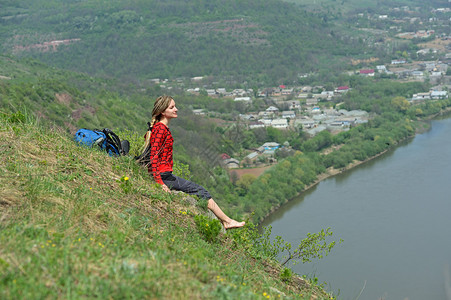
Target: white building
column 211, row 92
column 312, row 101
column 288, row 114
column 272, row 109
column 279, row 123
column 305, row 123
column 244, row 99
column 294, row 104
column 421, row 96
column 221, row 91
column 439, row 94
column 381, row 69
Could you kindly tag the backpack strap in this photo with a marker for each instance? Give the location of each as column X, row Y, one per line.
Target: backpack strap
column 144, row 158
column 113, row 141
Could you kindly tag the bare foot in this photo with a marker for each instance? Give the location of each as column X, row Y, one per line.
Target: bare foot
column 233, row 224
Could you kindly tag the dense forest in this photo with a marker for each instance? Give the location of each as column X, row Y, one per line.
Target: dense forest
column 256, row 41
column 259, row 42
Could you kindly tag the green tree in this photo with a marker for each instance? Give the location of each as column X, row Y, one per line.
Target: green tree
column 400, row 104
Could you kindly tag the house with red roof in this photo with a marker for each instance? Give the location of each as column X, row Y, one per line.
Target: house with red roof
column 225, row 156
column 342, row 89
column 367, row 72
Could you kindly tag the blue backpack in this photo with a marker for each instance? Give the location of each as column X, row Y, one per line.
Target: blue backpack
column 105, row 139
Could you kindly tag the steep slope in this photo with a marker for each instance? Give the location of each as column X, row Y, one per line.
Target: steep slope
column 75, row 223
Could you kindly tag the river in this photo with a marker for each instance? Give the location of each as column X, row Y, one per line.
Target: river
column 394, row 216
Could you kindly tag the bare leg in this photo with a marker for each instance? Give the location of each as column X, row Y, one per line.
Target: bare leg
column 226, row 221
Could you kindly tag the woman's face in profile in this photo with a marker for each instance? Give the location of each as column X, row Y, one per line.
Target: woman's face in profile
column 171, row 111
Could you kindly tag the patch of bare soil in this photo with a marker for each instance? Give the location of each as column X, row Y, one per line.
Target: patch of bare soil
column 64, row 98
column 239, row 29
column 331, row 149
column 439, row 44
column 359, row 61
column 76, row 114
column 254, row 171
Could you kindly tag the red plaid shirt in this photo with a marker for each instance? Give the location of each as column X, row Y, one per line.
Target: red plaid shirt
column 161, row 151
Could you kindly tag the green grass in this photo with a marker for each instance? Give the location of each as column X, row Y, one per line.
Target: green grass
column 76, row 223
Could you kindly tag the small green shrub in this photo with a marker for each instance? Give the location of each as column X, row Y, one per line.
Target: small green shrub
column 135, row 139
column 286, row 275
column 261, row 246
column 209, row 228
column 313, row 246
column 256, row 244
column 181, row 170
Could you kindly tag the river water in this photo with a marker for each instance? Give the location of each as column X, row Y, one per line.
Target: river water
column 394, row 216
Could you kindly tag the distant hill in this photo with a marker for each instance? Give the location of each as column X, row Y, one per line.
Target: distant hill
column 366, row 5
column 267, row 41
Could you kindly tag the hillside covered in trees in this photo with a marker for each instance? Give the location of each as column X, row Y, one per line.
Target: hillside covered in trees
column 256, row 41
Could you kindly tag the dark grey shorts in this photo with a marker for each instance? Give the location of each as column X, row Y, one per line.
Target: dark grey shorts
column 179, row 184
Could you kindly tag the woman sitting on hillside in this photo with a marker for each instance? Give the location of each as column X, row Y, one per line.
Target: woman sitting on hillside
column 160, row 166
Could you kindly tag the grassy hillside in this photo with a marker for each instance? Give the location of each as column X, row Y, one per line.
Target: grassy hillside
column 75, row 223
column 67, row 101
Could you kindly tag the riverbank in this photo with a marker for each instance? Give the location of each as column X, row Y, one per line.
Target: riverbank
column 389, row 213
column 421, row 127
column 329, row 173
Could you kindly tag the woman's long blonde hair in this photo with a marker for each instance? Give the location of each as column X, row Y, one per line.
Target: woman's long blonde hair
column 160, row 105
